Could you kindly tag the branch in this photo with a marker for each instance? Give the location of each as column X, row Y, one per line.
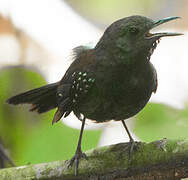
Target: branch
column 164, row 159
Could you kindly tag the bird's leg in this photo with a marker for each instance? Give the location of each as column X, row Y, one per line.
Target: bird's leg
column 78, row 154
column 131, row 140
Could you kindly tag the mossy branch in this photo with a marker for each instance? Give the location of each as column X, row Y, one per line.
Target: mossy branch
column 164, row 159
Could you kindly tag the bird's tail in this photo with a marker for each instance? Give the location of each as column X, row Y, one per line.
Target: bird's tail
column 42, row 99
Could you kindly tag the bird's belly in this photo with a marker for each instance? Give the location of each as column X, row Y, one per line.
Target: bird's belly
column 119, row 101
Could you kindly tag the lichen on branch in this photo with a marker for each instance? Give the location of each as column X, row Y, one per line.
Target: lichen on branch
column 160, row 159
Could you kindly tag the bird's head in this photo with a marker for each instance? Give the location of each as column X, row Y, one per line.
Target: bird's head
column 131, row 36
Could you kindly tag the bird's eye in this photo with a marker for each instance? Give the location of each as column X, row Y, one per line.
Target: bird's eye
column 133, row 30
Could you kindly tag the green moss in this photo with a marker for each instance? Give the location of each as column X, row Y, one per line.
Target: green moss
column 106, row 159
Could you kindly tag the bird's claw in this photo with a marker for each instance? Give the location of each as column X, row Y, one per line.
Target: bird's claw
column 132, row 145
column 75, row 159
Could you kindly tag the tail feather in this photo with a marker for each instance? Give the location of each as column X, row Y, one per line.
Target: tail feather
column 42, row 99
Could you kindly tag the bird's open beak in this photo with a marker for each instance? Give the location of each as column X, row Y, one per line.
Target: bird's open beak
column 150, row 35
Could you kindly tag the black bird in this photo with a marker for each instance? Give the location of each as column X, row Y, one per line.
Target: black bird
column 112, row 81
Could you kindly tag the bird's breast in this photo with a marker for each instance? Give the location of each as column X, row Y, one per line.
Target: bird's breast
column 118, row 93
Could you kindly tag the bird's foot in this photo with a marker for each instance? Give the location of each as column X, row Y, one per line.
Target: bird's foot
column 75, row 160
column 132, row 146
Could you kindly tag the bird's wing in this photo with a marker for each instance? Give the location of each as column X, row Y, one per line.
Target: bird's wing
column 75, row 84
column 71, row 94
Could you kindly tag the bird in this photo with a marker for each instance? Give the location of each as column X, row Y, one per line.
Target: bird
column 112, row 81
